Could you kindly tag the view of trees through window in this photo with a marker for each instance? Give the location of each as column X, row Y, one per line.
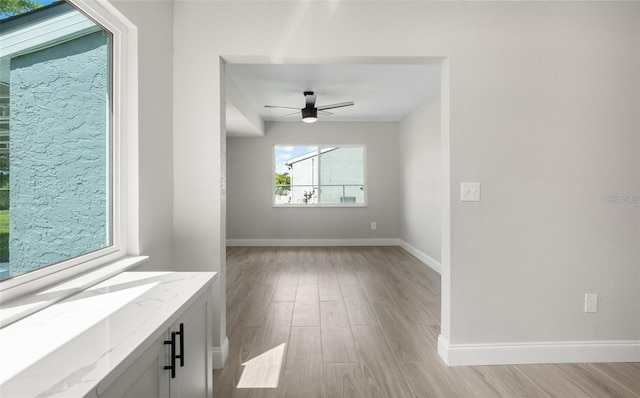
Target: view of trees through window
column 54, row 135
column 319, row 175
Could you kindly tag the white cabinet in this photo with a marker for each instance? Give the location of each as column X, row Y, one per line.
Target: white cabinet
column 178, row 363
column 194, row 374
column 145, row 378
column 109, row 340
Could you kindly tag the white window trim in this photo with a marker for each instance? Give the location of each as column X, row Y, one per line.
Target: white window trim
column 365, row 202
column 124, row 251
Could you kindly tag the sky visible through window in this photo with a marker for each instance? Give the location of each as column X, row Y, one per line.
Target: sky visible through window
column 284, row 153
column 4, row 14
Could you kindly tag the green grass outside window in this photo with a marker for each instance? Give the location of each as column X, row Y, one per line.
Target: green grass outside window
column 4, row 236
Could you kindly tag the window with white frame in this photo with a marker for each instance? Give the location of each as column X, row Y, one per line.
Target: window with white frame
column 57, row 173
column 329, row 175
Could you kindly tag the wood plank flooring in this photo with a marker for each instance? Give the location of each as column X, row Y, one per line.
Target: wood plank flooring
column 364, row 322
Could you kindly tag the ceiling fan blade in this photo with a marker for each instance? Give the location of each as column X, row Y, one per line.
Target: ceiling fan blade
column 281, row 107
column 291, row 114
column 332, row 106
column 325, row 113
column 310, row 100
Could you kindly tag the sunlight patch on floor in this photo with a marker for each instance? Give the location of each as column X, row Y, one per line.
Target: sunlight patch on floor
column 263, row 371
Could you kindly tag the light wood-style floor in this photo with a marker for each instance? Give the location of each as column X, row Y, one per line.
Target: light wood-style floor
column 363, row 322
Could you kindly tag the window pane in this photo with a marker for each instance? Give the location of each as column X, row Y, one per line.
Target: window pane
column 342, row 175
column 55, row 112
column 296, row 179
column 308, row 175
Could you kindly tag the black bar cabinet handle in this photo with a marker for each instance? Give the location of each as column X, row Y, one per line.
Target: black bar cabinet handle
column 181, row 333
column 172, row 367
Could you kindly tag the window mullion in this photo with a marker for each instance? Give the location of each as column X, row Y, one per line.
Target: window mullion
column 319, row 166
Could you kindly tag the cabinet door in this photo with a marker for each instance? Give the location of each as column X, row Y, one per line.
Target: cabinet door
column 145, row 378
column 193, row 379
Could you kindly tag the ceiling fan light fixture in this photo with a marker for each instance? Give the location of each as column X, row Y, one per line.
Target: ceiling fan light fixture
column 309, row 115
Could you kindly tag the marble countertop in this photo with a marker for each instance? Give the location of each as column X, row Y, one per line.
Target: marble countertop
column 67, row 349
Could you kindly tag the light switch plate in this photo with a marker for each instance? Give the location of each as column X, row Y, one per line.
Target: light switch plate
column 470, row 192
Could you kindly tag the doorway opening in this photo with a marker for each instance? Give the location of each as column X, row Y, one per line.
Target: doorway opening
column 252, row 220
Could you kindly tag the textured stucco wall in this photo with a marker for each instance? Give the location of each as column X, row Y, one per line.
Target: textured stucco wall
column 58, row 144
column 251, row 215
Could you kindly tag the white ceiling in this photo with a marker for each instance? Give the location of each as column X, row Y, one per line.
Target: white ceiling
column 381, row 92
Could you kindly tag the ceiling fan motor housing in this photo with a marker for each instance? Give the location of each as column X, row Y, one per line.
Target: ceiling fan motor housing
column 308, row 112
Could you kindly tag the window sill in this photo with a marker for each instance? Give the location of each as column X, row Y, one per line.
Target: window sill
column 26, row 305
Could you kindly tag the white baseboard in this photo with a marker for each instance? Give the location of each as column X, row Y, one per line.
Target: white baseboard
column 312, row 242
column 542, row 352
column 425, row 258
column 220, row 354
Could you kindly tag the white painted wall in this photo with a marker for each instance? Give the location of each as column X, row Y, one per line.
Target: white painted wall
column 251, row 215
column 199, row 163
column 420, row 180
column 543, row 104
column 166, row 203
column 155, row 138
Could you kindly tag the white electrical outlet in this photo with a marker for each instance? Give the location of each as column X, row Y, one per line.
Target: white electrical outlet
column 470, row 192
column 590, row 302
column 373, row 225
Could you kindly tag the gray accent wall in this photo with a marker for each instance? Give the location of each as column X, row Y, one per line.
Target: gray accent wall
column 251, row 215
column 421, row 179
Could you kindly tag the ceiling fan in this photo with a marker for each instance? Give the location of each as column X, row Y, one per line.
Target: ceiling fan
column 310, row 111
